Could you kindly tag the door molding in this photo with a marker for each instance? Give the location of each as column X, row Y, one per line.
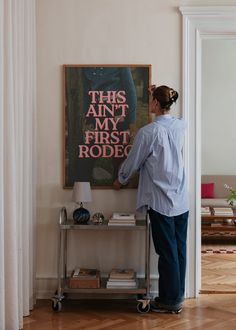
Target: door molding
column 218, row 22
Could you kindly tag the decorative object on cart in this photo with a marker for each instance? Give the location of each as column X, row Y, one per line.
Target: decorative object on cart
column 85, row 278
column 81, row 193
column 122, row 278
column 98, row 218
column 232, row 195
column 122, row 219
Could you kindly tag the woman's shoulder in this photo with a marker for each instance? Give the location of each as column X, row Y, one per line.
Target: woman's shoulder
column 148, row 128
column 180, row 121
column 148, row 131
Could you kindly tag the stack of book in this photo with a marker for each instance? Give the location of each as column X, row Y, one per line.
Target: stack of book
column 85, row 278
column 223, row 211
column 205, row 210
column 122, row 219
column 122, row 278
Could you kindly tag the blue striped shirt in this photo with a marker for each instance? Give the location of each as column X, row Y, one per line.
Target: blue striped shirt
column 157, row 155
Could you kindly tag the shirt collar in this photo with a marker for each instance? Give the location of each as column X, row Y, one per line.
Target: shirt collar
column 162, row 117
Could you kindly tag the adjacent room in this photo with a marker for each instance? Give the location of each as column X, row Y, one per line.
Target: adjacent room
column 218, row 164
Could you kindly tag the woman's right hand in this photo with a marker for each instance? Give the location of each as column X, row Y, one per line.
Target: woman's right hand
column 117, row 185
column 151, row 88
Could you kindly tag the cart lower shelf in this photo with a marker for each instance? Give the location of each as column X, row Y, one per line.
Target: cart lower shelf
column 140, row 289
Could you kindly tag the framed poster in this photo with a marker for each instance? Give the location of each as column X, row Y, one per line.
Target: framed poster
column 104, row 106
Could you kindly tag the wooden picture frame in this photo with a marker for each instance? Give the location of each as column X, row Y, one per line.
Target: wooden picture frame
column 104, row 106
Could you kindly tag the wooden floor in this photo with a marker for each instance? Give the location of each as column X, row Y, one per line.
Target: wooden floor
column 219, row 268
column 207, row 312
column 219, row 272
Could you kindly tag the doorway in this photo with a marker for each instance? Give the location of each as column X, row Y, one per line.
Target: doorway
column 199, row 23
column 218, row 164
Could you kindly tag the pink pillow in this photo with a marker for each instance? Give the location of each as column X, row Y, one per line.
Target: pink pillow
column 207, row 190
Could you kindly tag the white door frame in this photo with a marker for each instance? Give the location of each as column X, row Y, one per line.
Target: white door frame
column 198, row 23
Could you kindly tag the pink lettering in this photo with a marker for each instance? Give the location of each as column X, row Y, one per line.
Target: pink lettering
column 95, row 151
column 118, row 151
column 114, row 122
column 123, row 108
column 111, row 95
column 89, row 135
column 91, row 111
column 121, row 97
column 115, row 137
column 83, row 151
column 93, row 95
column 103, row 109
column 127, row 149
column 126, row 136
column 107, row 151
column 104, row 138
column 104, row 124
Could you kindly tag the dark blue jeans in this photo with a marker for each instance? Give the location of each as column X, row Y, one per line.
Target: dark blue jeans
column 169, row 237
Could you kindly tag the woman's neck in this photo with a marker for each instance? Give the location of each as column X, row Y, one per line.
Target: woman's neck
column 159, row 113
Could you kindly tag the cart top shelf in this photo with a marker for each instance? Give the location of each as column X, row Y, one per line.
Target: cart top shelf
column 71, row 224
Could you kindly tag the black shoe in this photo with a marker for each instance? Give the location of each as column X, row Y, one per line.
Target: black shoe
column 162, row 308
column 157, row 300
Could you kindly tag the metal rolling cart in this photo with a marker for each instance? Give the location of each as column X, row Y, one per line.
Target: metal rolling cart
column 142, row 291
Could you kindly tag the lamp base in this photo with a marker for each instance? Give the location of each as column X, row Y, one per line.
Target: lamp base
column 81, row 215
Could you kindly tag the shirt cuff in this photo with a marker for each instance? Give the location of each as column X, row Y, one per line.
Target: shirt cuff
column 122, row 179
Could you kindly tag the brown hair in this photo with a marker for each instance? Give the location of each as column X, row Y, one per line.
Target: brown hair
column 166, row 96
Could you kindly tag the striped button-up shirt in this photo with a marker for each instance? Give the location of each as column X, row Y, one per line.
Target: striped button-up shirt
column 157, row 155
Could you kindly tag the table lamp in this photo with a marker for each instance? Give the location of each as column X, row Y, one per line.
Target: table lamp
column 81, row 194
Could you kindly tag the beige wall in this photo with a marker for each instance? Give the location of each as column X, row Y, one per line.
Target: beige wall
column 84, row 32
column 218, row 106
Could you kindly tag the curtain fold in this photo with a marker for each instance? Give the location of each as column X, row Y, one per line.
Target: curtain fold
column 17, row 160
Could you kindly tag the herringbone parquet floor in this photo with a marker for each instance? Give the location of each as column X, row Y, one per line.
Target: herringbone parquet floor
column 219, row 268
column 207, row 312
column 219, row 272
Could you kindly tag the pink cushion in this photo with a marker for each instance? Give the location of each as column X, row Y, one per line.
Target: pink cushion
column 207, row 190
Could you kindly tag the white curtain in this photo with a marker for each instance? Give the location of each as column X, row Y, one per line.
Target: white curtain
column 17, row 160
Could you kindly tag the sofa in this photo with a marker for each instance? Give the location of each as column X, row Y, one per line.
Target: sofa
column 220, row 240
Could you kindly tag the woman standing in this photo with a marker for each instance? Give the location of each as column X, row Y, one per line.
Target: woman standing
column 157, row 155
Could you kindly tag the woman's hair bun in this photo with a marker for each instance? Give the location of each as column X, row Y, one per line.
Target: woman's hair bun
column 173, row 95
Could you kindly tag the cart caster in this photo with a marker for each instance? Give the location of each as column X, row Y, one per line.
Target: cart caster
column 143, row 307
column 63, row 295
column 56, row 305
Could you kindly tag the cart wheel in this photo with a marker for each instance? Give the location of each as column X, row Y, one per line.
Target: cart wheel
column 142, row 309
column 63, row 294
column 56, row 305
